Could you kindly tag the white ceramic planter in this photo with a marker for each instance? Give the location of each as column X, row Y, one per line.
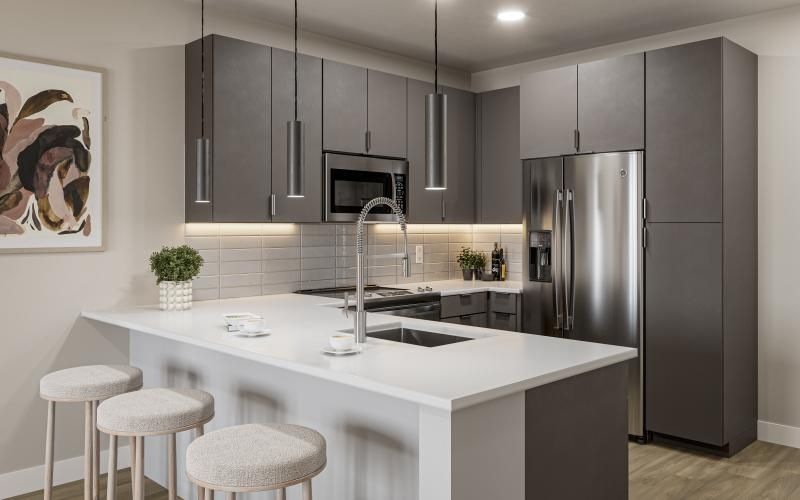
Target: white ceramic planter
column 175, row 295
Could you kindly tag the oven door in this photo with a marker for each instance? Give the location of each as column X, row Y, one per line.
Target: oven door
column 352, row 181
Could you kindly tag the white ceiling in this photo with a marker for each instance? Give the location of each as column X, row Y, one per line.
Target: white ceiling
column 471, row 39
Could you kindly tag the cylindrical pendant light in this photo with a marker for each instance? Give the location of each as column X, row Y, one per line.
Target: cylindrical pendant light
column 295, row 142
column 203, row 147
column 436, row 122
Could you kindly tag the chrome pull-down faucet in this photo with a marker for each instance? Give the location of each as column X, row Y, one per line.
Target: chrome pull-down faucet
column 360, row 327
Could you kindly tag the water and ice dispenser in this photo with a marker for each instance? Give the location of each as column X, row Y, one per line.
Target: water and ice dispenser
column 540, row 255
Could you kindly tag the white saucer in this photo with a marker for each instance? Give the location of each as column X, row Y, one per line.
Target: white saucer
column 330, row 351
column 262, row 333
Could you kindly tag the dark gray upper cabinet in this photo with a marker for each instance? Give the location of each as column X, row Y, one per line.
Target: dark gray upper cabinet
column 195, row 212
column 499, row 186
column 611, row 104
column 684, row 133
column 548, row 113
column 237, row 122
column 684, row 356
column 386, row 112
column 425, row 207
column 344, row 107
column 309, row 111
column 459, row 197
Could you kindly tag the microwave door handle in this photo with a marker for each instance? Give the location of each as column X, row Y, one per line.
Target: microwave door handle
column 556, row 244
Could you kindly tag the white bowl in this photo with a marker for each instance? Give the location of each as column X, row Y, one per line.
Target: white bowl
column 342, row 341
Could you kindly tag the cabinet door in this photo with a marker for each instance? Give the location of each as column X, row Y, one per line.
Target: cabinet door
column 386, row 112
column 309, row 110
column 195, row 212
column 611, row 104
column 499, row 189
column 344, row 107
column 425, row 207
column 683, row 355
column 459, row 197
column 548, row 113
column 241, row 125
column 684, row 133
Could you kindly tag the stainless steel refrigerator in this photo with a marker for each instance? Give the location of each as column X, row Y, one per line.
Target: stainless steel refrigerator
column 583, row 224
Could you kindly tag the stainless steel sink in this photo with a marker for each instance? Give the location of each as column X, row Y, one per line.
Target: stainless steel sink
column 416, row 337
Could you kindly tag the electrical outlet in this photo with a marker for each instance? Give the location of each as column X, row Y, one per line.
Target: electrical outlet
column 419, row 254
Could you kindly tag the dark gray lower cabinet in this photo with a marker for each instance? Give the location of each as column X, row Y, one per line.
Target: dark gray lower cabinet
column 479, row 320
column 499, row 195
column 237, row 101
column 309, row 110
column 684, row 340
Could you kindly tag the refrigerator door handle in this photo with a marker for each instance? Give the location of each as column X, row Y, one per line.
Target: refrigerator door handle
column 556, row 242
column 569, row 261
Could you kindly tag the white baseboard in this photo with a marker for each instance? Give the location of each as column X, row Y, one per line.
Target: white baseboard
column 65, row 471
column 779, row 433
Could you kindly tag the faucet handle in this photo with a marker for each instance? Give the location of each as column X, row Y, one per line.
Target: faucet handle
column 346, row 309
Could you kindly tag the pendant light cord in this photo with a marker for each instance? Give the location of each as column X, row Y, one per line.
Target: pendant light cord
column 295, row 60
column 436, row 47
column 203, row 68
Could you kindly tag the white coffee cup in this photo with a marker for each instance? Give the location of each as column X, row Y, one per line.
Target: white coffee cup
column 252, row 325
column 342, row 341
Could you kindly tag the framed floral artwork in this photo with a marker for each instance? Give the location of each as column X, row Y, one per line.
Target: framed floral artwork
column 51, row 157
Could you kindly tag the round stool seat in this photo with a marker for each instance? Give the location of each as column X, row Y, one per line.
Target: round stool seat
column 155, row 411
column 90, row 383
column 255, row 457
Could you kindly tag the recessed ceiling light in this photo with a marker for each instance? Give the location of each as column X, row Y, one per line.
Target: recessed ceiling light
column 511, row 15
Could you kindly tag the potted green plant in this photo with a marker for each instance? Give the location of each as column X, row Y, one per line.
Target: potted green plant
column 470, row 262
column 175, row 268
column 480, row 264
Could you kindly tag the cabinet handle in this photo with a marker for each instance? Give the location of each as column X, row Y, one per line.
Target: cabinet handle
column 644, row 237
column 465, row 295
column 577, row 138
column 368, row 140
column 444, row 209
column 502, row 314
column 273, row 205
column 644, row 209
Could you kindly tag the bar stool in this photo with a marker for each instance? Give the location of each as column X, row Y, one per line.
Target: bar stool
column 88, row 385
column 152, row 412
column 256, row 457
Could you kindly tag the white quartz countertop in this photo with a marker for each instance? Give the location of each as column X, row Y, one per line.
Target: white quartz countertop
column 456, row 287
column 448, row 377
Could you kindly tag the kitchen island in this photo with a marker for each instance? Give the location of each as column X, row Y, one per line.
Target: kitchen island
column 504, row 415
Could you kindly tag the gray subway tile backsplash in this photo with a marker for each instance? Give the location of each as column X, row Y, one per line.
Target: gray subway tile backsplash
column 244, row 260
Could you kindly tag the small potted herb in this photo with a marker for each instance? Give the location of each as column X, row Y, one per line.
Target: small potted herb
column 175, row 268
column 470, row 262
column 480, row 264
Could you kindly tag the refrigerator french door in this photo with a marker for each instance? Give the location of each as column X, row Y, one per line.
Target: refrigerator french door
column 583, row 275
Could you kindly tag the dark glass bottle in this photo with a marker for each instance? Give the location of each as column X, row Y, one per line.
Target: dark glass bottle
column 496, row 262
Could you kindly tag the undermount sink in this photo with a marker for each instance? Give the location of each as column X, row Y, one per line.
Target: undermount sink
column 416, row 337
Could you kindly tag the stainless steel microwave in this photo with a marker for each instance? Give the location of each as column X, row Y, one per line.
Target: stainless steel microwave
column 351, row 181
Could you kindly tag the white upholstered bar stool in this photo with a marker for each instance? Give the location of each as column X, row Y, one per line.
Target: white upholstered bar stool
column 89, row 385
column 256, row 457
column 152, row 412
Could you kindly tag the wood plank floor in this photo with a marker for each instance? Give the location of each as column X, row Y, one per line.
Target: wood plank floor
column 657, row 472
column 74, row 490
column 761, row 471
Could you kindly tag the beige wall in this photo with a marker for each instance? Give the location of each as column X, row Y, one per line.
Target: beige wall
column 775, row 37
column 139, row 43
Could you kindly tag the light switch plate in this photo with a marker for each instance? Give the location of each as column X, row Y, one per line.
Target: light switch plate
column 419, row 254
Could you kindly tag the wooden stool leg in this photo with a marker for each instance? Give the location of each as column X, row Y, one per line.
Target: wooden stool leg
column 132, row 449
column 87, row 451
column 307, row 490
column 48, row 450
column 199, row 430
column 280, row 494
column 230, row 496
column 111, row 489
column 172, row 472
column 95, row 454
column 209, row 494
column 138, row 485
